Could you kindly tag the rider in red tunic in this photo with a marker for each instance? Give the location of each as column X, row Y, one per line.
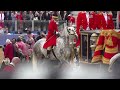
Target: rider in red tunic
column 52, row 35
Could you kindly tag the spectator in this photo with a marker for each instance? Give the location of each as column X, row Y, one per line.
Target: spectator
column 15, row 47
column 12, row 66
column 36, row 15
column 9, row 50
column 26, row 15
column 31, row 15
column 7, row 32
column 1, row 30
column 22, row 49
column 46, row 16
column 62, row 14
column 51, row 14
column 1, row 54
column 30, row 39
column 7, row 18
column 36, row 22
column 13, row 16
column 41, row 20
column 40, row 36
column 59, row 16
column 2, row 19
column 66, row 16
column 19, row 18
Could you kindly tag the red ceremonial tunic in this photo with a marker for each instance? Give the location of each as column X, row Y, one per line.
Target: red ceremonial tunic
column 51, row 37
column 81, row 21
column 9, row 52
column 92, row 24
column 101, row 23
column 110, row 23
column 107, row 46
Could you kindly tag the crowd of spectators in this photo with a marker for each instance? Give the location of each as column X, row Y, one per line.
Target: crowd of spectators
column 41, row 18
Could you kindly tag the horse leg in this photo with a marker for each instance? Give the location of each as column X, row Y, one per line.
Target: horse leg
column 34, row 62
column 48, row 52
column 76, row 55
column 72, row 56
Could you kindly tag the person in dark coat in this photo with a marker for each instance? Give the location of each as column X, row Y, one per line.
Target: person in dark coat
column 40, row 36
column 14, row 46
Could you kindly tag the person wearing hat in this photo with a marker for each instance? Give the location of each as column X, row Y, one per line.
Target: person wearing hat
column 9, row 50
column 52, row 35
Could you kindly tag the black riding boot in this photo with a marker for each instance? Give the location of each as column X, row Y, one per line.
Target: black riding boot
column 48, row 54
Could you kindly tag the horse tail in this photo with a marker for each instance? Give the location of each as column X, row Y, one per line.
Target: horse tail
column 34, row 62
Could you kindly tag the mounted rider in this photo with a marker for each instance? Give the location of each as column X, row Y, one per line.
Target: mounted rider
column 52, row 34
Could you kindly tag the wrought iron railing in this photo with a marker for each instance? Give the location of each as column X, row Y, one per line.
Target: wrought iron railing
column 33, row 25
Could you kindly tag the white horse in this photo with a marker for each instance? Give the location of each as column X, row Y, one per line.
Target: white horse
column 62, row 50
column 69, row 34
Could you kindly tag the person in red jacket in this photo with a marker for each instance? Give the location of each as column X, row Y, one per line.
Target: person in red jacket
column 81, row 24
column 110, row 23
column 101, row 19
column 82, row 20
column 9, row 50
column 104, row 20
column 52, row 35
column 92, row 23
column 19, row 18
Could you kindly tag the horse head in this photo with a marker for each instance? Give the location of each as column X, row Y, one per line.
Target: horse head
column 72, row 30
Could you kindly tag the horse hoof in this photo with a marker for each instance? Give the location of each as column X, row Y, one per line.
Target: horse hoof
column 77, row 63
column 48, row 57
